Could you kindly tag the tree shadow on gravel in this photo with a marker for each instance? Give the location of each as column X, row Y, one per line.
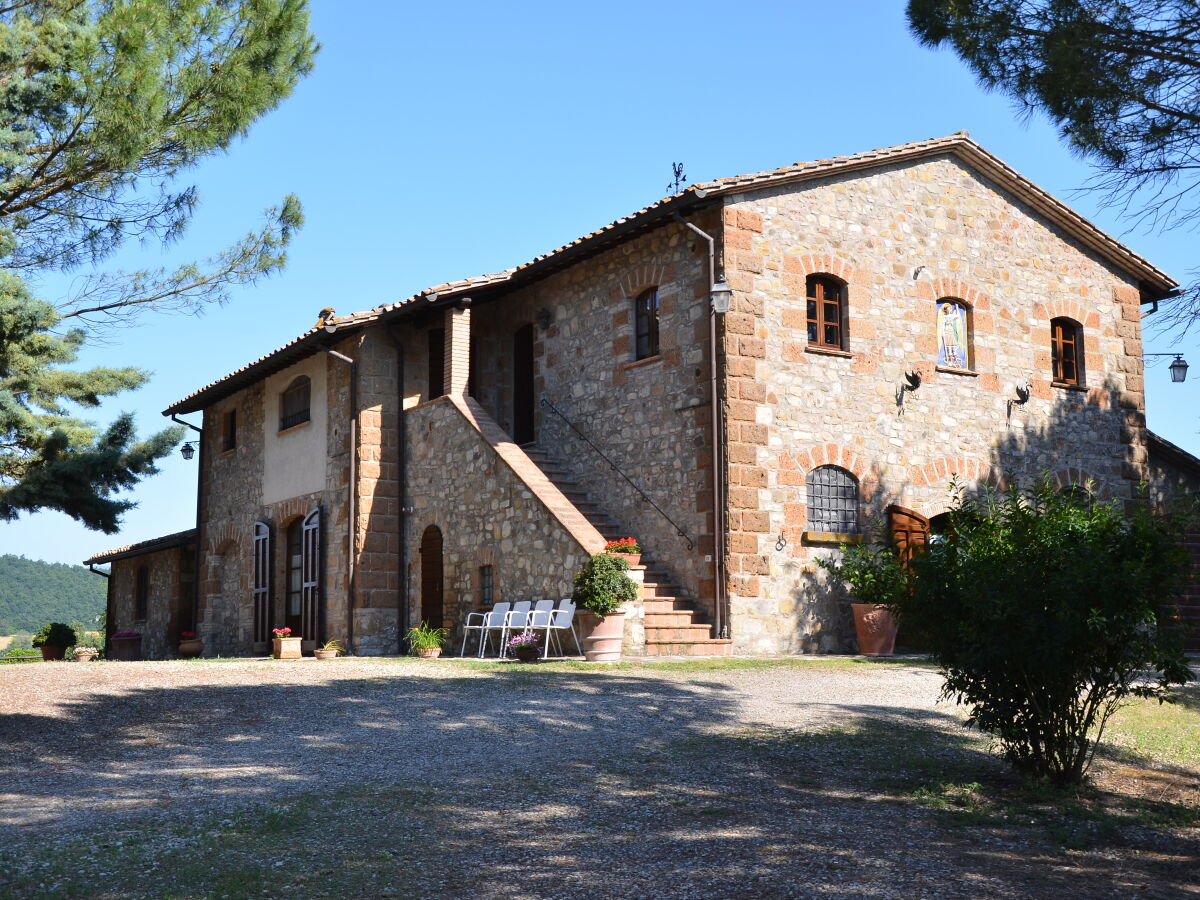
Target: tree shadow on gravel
column 536, row 783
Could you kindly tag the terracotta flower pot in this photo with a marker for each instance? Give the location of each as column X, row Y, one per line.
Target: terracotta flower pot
column 85, row 655
column 51, row 653
column 603, row 644
column 875, row 628
column 286, row 648
column 325, row 654
column 631, row 559
column 190, row 648
column 430, row 652
column 526, row 653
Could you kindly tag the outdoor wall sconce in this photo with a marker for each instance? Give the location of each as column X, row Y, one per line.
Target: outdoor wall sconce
column 544, row 318
column 720, row 294
column 188, row 450
column 1178, row 367
column 1023, row 393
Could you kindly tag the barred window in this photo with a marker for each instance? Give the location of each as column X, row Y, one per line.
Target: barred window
column 832, row 500
column 487, row 595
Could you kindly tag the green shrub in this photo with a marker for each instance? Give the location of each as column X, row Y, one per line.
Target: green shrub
column 601, row 586
column 55, row 634
column 874, row 574
column 1044, row 610
column 422, row 637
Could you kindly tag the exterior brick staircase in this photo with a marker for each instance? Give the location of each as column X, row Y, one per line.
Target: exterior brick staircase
column 671, row 626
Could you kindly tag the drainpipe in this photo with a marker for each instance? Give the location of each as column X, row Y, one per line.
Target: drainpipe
column 197, row 562
column 351, row 490
column 720, row 611
column 108, row 605
column 402, row 496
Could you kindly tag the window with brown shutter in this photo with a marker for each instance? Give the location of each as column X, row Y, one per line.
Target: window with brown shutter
column 825, row 301
column 294, row 403
column 1066, row 349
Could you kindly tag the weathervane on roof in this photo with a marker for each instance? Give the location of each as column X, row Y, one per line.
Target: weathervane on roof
column 678, row 179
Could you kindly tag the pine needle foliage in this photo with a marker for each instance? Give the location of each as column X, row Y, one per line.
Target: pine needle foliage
column 104, row 104
column 1045, row 609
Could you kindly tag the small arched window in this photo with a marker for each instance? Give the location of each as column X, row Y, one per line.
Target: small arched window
column 294, row 403
column 645, row 317
column 1066, row 350
column 953, row 334
column 832, row 500
column 826, row 304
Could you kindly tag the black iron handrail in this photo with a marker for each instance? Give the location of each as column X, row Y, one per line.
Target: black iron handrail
column 683, row 534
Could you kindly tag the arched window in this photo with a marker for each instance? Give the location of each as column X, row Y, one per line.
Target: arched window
column 1066, row 349
column 294, row 402
column 953, row 334
column 645, row 317
column 832, row 500
column 826, row 302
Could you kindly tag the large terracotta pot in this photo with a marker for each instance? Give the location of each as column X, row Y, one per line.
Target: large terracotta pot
column 286, row 648
column 84, row 655
column 191, row 648
column 631, row 559
column 325, row 654
column 429, row 652
column 603, row 644
column 50, row 653
column 875, row 628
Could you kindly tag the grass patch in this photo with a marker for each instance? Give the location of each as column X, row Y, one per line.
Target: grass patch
column 1163, row 732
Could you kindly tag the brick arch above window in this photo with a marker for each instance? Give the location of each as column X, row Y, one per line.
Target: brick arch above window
column 834, row 455
column 1066, row 309
column 639, row 278
column 937, row 288
column 222, row 538
column 821, row 264
column 939, row 472
column 1073, row 476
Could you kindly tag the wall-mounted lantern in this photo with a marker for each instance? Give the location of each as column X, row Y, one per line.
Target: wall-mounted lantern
column 188, row 450
column 720, row 295
column 1178, row 367
column 544, row 318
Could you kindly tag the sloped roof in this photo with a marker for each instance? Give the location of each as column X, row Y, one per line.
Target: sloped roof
column 1173, row 452
column 959, row 144
column 153, row 545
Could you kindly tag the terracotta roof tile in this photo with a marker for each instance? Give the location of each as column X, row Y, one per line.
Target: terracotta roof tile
column 148, row 546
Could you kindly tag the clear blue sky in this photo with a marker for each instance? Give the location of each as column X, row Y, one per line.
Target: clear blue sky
column 439, row 141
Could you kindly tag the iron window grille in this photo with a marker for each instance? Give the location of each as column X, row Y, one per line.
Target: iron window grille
column 832, row 500
column 487, row 596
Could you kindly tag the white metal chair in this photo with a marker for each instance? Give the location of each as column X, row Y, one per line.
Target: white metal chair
column 516, row 620
column 561, row 619
column 483, row 622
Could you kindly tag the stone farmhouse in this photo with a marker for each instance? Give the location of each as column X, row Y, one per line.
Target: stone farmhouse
column 896, row 319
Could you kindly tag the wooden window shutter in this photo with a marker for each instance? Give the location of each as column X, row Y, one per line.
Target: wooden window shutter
column 262, row 581
column 310, row 625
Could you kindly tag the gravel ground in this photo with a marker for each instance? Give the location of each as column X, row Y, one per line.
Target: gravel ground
column 537, row 781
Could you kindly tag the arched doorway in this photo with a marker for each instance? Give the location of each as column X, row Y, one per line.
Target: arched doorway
column 431, row 577
column 910, row 531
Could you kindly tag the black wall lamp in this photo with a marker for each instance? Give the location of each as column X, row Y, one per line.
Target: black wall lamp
column 188, row 450
column 544, row 318
column 1178, row 367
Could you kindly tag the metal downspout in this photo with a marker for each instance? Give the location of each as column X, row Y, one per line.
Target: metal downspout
column 402, row 495
column 721, row 614
column 198, row 562
column 352, row 491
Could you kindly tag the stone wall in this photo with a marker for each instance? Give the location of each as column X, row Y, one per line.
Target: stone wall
column 169, row 573
column 899, row 238
column 651, row 417
column 487, row 515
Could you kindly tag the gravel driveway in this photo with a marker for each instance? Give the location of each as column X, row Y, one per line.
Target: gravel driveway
column 525, row 781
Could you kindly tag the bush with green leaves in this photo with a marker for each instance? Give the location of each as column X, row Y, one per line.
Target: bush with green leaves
column 601, row 586
column 55, row 634
column 1045, row 609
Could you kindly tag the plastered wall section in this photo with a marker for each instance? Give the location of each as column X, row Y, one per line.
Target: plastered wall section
column 650, row 417
column 900, row 237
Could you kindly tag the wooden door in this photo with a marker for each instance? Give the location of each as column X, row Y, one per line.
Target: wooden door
column 431, row 577
column 910, row 531
column 523, row 413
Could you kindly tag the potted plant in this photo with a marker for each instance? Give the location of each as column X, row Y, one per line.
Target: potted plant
column 190, row 646
column 877, row 578
column 627, row 548
column 601, row 587
column 86, row 654
column 285, row 645
column 526, row 646
column 125, row 645
column 54, row 639
column 329, row 650
column 426, row 642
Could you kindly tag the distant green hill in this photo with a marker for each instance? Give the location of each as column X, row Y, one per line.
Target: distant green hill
column 33, row 593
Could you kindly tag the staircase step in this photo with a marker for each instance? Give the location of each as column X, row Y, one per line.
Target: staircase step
column 654, row 589
column 666, row 606
column 710, row 647
column 675, row 619
column 678, row 633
